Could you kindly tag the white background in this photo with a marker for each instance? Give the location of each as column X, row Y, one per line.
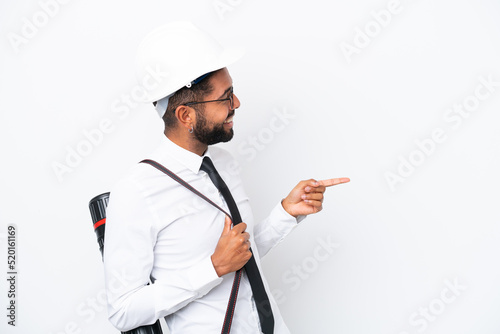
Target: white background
column 354, row 116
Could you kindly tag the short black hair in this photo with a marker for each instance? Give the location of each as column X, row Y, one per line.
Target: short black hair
column 184, row 95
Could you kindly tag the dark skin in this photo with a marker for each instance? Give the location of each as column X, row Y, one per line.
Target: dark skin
column 233, row 248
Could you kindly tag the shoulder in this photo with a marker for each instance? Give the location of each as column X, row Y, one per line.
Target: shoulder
column 143, row 176
column 136, row 193
column 128, row 186
column 140, row 181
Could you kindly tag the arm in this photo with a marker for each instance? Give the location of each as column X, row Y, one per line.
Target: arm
column 305, row 198
column 272, row 230
column 131, row 231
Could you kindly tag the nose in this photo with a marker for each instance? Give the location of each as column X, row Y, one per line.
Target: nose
column 236, row 102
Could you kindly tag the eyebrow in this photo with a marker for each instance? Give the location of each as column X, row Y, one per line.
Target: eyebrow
column 225, row 92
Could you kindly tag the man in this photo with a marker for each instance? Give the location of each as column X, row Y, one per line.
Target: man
column 157, row 229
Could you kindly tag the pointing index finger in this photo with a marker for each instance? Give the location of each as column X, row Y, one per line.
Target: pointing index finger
column 332, row 182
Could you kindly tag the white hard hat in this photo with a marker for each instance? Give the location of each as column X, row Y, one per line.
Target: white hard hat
column 173, row 55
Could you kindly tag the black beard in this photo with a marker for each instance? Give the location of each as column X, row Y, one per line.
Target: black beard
column 208, row 136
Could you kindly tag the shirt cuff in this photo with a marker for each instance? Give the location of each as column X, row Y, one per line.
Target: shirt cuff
column 283, row 222
column 289, row 216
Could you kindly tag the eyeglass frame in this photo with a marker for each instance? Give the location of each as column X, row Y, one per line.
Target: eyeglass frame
column 230, row 98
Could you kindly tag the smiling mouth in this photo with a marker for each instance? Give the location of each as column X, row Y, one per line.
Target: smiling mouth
column 229, row 119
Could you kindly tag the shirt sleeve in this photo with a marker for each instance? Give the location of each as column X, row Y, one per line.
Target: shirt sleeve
column 130, row 237
column 274, row 229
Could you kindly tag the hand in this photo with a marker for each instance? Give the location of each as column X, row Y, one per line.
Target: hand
column 307, row 196
column 233, row 249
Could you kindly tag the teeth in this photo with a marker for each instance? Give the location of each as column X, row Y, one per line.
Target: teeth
column 230, row 119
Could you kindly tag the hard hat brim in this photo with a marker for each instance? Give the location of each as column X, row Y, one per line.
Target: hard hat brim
column 228, row 57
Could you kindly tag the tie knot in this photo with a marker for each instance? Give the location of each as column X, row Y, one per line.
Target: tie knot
column 208, row 166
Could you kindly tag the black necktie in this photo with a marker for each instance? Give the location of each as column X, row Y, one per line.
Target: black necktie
column 258, row 290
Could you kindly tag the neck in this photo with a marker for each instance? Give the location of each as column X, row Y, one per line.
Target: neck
column 187, row 142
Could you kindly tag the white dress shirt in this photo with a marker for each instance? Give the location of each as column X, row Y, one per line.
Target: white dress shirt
column 157, row 229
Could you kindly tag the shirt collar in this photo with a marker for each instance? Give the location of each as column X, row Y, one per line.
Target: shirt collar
column 188, row 159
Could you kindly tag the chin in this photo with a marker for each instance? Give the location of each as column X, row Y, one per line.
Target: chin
column 228, row 137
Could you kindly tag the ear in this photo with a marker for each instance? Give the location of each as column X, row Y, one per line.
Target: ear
column 186, row 116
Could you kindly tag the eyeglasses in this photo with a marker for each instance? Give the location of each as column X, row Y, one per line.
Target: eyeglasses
column 229, row 98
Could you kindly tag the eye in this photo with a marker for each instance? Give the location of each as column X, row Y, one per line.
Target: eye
column 229, row 97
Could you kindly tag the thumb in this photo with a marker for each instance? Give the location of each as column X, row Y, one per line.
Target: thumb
column 227, row 225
